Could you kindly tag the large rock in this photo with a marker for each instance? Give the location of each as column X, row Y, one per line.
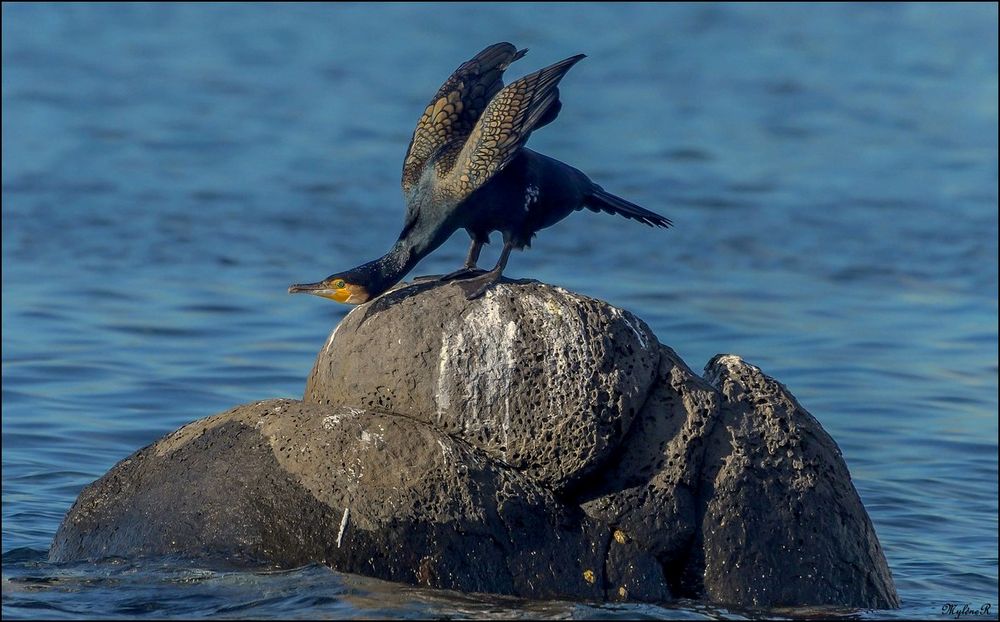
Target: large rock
column 544, row 379
column 740, row 494
column 532, row 442
column 778, row 517
column 291, row 483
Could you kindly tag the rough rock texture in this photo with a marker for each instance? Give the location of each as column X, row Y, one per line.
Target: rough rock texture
column 648, row 493
column 546, row 380
column 292, row 483
column 779, row 519
column 532, row 442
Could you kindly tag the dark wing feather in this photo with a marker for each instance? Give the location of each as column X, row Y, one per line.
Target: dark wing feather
column 457, row 106
column 502, row 129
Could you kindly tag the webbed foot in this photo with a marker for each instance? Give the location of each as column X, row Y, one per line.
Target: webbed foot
column 462, row 273
column 474, row 287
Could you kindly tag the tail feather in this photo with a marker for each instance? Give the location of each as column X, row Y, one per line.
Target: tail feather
column 602, row 201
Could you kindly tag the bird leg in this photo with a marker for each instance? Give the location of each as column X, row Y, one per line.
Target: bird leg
column 470, row 268
column 476, row 286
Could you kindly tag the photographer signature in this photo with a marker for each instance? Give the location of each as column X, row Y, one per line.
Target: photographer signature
column 957, row 611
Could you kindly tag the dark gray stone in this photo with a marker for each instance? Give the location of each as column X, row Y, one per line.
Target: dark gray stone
column 532, row 442
column 739, row 494
column 779, row 521
column 633, row 573
column 648, row 490
column 290, row 483
column 546, row 380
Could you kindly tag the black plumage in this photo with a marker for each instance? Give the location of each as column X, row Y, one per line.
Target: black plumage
column 467, row 168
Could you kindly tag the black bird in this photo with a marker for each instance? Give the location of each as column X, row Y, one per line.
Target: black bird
column 467, row 168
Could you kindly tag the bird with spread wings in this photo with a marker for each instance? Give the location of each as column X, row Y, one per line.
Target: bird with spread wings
column 467, row 168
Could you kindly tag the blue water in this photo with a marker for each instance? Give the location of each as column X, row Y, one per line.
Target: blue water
column 168, row 170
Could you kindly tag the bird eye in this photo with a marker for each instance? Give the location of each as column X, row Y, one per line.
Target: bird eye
column 339, row 284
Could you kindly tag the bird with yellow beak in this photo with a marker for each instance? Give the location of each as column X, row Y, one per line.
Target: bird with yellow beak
column 467, row 168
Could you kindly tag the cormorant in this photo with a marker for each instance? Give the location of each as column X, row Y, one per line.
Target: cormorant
column 467, row 168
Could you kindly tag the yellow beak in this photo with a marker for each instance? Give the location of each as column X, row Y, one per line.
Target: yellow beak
column 322, row 289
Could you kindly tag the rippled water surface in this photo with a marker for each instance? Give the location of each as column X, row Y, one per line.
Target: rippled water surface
column 168, row 170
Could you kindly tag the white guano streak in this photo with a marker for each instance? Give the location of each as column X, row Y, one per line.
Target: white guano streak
column 477, row 350
column 343, row 526
column 618, row 313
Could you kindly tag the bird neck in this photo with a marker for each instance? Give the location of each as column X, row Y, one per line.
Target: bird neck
column 390, row 268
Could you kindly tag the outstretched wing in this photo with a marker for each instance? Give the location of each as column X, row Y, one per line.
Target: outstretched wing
column 503, row 128
column 457, row 106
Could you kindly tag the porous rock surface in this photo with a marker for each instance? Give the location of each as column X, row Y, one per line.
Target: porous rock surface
column 649, row 491
column 293, row 483
column 544, row 379
column 532, row 442
column 779, row 515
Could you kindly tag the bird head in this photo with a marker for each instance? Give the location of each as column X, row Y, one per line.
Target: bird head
column 367, row 281
column 358, row 285
column 342, row 287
